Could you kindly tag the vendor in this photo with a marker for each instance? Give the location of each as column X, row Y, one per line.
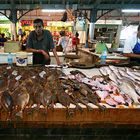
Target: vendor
column 40, row 42
column 132, row 46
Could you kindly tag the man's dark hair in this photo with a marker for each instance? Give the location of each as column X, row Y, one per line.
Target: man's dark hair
column 38, row 20
column 139, row 28
column 64, row 18
column 62, row 33
column 77, row 34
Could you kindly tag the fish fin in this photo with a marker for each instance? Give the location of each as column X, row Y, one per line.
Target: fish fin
column 19, row 114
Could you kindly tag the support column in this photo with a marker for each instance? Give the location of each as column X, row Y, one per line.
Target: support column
column 93, row 17
column 13, row 19
column 91, row 30
column 13, row 31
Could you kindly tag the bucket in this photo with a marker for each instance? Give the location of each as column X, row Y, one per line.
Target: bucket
column 21, row 59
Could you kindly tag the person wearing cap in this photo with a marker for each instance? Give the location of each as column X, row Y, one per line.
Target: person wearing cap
column 40, row 42
column 132, row 46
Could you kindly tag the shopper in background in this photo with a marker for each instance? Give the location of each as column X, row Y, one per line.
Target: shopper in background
column 70, row 46
column 75, row 42
column 63, row 41
column 132, row 46
column 40, row 42
column 24, row 42
column 20, row 34
column 2, row 39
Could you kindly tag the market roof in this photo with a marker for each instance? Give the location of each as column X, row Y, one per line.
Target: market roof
column 75, row 4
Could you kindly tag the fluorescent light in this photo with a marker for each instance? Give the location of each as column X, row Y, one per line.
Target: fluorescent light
column 131, row 10
column 53, row 10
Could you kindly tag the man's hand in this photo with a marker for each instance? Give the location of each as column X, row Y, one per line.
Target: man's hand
column 39, row 51
column 45, row 54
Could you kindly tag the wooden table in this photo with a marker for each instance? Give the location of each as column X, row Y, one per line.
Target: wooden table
column 60, row 117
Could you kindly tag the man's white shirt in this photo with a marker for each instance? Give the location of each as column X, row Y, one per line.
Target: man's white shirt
column 130, row 43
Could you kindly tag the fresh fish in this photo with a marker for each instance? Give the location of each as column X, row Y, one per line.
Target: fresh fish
column 137, row 88
column 111, row 74
column 3, row 84
column 136, row 72
column 70, row 76
column 78, row 72
column 116, row 71
column 103, row 71
column 117, row 97
column 102, row 94
column 7, row 101
column 113, row 68
column 131, row 73
column 63, row 98
column 124, row 74
column 21, row 99
column 110, row 101
column 128, row 99
column 127, row 87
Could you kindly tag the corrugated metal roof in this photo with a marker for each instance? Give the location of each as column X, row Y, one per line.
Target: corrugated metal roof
column 69, row 1
column 80, row 4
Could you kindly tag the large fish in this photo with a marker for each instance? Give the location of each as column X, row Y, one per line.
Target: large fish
column 108, row 71
column 124, row 74
column 21, row 99
column 7, row 102
column 132, row 74
column 127, row 87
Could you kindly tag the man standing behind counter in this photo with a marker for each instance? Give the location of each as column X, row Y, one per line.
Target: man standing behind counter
column 40, row 42
column 132, row 47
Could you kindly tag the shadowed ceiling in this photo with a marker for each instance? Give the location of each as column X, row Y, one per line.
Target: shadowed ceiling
column 107, row 9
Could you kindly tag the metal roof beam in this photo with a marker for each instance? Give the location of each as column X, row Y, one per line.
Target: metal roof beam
column 62, row 6
column 32, row 6
column 110, row 6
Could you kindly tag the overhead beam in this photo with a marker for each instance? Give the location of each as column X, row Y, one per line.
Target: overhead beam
column 32, row 6
column 110, row 6
column 61, row 6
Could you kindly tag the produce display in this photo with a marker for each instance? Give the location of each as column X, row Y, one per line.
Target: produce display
column 35, row 87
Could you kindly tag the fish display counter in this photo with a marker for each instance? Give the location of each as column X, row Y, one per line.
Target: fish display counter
column 3, row 57
column 60, row 96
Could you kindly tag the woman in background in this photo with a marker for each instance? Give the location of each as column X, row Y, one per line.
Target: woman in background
column 63, row 41
column 75, row 42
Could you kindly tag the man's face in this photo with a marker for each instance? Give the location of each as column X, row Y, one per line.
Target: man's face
column 38, row 28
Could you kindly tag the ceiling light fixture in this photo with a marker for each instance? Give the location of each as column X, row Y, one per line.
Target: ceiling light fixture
column 131, row 10
column 53, row 10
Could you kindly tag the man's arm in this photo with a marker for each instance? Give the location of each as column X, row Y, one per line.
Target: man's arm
column 56, row 56
column 38, row 51
column 132, row 55
column 32, row 50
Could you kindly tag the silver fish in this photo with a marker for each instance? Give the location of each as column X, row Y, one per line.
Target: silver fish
column 127, row 87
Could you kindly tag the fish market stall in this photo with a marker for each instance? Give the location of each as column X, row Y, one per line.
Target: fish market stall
column 53, row 95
